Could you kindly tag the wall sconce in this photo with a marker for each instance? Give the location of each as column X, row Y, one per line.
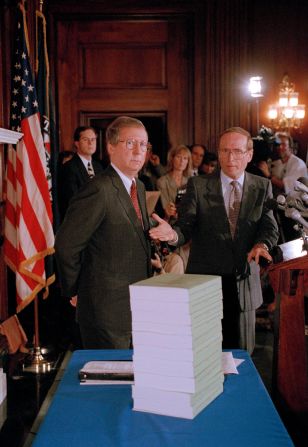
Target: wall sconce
column 287, row 113
column 255, row 89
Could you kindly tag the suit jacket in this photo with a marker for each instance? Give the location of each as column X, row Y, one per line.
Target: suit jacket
column 101, row 248
column 72, row 176
column 203, row 218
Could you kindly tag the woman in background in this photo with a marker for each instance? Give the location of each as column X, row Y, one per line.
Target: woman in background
column 172, row 187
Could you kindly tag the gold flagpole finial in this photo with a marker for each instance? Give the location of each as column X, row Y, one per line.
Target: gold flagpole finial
column 41, row 5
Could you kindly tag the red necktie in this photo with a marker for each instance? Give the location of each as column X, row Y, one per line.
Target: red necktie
column 134, row 197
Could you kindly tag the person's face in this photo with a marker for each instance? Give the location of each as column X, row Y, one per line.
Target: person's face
column 180, row 161
column 86, row 146
column 233, row 154
column 209, row 168
column 284, row 150
column 129, row 161
column 197, row 154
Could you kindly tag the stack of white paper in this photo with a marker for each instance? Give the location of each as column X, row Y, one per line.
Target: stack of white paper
column 177, row 338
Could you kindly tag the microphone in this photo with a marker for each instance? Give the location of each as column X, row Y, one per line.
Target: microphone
column 296, row 215
column 281, row 200
column 303, row 180
column 299, row 185
column 305, row 198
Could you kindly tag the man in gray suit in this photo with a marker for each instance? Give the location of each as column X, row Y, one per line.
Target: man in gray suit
column 222, row 243
column 101, row 245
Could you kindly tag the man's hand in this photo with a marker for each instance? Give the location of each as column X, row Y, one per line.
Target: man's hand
column 259, row 251
column 163, row 231
column 170, row 210
column 154, row 159
column 277, row 182
column 73, row 301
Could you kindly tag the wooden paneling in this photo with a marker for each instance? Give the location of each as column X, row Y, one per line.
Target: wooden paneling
column 149, row 60
column 122, row 65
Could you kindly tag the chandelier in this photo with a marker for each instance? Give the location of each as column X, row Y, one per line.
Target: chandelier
column 287, row 113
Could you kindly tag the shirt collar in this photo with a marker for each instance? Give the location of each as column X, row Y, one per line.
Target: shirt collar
column 126, row 180
column 84, row 160
column 225, row 180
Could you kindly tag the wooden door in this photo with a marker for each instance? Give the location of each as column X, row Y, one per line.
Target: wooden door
column 140, row 67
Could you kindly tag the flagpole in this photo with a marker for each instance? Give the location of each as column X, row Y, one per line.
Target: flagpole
column 35, row 362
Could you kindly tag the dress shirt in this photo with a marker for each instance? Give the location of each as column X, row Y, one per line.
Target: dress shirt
column 127, row 182
column 195, row 171
column 85, row 161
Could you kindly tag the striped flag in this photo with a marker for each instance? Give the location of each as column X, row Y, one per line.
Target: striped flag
column 29, row 234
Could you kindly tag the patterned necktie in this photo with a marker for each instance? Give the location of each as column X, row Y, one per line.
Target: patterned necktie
column 90, row 170
column 234, row 205
column 134, row 197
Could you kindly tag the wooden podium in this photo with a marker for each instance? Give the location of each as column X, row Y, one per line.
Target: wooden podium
column 289, row 280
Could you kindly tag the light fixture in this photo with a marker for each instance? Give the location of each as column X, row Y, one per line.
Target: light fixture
column 255, row 89
column 255, row 86
column 287, row 113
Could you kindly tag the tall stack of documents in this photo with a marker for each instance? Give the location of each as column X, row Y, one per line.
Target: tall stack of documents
column 177, row 339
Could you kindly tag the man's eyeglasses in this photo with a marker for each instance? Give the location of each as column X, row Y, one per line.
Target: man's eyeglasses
column 131, row 143
column 237, row 154
column 88, row 140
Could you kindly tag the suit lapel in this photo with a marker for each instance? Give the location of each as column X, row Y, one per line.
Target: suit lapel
column 249, row 197
column 142, row 204
column 215, row 202
column 126, row 203
column 81, row 168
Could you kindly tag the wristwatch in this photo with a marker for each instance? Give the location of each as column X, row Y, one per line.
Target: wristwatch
column 262, row 245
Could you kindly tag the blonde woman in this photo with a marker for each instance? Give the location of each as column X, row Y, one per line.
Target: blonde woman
column 172, row 186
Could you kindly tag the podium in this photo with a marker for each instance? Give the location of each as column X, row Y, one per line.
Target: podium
column 289, row 280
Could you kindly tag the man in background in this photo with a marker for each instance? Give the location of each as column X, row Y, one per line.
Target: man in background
column 101, row 247
column 151, row 170
column 80, row 169
column 197, row 154
column 291, row 168
column 226, row 218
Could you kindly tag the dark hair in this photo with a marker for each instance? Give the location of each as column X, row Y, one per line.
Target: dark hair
column 197, row 144
column 261, row 150
column 81, row 129
column 64, row 154
column 209, row 157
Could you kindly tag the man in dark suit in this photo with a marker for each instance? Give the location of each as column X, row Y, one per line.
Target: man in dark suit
column 101, row 246
column 80, row 169
column 222, row 245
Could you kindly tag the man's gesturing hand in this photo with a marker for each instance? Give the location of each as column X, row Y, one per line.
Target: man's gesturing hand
column 163, row 231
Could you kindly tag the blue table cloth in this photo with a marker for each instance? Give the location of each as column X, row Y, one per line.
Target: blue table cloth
column 100, row 415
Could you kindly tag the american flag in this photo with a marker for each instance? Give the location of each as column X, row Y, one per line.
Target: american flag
column 29, row 234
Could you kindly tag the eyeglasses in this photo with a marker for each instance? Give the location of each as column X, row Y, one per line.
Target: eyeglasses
column 131, row 143
column 88, row 140
column 237, row 154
